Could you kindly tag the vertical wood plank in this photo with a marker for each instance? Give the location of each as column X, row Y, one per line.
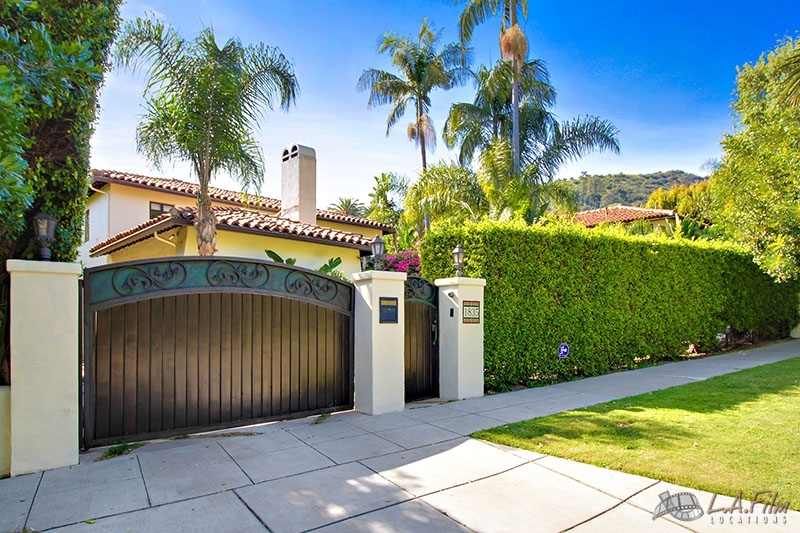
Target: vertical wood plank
column 168, row 364
column 182, row 375
column 236, row 330
column 277, row 355
column 223, row 323
column 206, row 337
column 247, row 372
column 330, row 358
column 155, row 323
column 215, row 358
column 102, row 371
column 288, row 321
column 196, row 356
column 141, row 344
column 302, row 356
column 313, row 358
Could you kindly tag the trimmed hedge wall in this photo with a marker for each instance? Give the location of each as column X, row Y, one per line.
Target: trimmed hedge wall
column 617, row 301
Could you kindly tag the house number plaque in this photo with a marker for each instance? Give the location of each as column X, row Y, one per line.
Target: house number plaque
column 471, row 310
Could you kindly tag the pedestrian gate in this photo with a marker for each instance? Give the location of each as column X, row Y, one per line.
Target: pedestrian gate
column 421, row 339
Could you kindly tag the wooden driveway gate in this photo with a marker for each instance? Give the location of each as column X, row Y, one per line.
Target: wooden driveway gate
column 421, row 339
column 185, row 344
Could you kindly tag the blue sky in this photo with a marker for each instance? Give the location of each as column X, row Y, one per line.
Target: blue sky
column 662, row 72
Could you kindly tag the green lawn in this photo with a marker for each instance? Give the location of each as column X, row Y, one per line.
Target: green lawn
column 734, row 432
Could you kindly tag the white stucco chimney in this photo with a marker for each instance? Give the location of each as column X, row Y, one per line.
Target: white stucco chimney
column 299, row 184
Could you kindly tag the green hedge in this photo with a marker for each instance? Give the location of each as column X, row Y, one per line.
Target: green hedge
column 617, row 301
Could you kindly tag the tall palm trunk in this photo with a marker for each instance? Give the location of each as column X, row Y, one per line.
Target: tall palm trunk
column 515, row 116
column 205, row 222
column 421, row 130
column 515, row 99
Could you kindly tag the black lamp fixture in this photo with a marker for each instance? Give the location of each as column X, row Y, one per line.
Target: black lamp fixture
column 378, row 248
column 458, row 259
column 44, row 227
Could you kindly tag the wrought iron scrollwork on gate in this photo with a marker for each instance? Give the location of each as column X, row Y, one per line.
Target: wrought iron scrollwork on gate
column 160, row 276
column 421, row 290
column 309, row 285
column 236, row 274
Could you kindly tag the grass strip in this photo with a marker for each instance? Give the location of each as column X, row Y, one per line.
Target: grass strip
column 734, row 432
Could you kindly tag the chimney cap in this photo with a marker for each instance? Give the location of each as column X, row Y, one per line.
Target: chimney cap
column 296, row 150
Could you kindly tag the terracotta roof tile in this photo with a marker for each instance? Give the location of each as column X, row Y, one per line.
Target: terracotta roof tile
column 234, row 218
column 620, row 213
column 143, row 231
column 224, row 195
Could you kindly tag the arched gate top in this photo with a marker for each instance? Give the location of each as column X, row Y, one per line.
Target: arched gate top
column 136, row 280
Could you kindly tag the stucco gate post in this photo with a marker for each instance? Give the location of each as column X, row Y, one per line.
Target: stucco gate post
column 379, row 342
column 461, row 337
column 44, row 365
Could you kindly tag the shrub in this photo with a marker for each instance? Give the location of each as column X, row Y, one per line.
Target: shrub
column 404, row 261
column 616, row 300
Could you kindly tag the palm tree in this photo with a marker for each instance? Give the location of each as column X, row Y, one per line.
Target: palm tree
column 473, row 126
column 387, row 197
column 513, row 45
column 348, row 206
column 421, row 70
column 202, row 102
column 445, row 191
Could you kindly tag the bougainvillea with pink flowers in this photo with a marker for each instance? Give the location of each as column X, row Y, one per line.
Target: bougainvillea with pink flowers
column 404, row 261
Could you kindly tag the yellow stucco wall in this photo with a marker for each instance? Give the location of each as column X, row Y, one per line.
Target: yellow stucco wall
column 237, row 244
column 5, row 430
column 152, row 248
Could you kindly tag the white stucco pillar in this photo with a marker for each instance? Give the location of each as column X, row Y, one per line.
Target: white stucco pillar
column 379, row 342
column 44, row 365
column 460, row 337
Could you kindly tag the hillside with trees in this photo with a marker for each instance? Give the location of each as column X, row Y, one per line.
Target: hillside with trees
column 595, row 191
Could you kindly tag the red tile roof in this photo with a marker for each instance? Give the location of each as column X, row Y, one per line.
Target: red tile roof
column 621, row 213
column 189, row 189
column 235, row 219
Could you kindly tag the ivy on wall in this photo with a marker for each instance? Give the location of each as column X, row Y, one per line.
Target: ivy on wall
column 52, row 57
column 617, row 301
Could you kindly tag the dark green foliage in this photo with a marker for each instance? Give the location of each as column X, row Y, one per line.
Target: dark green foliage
column 617, row 301
column 52, row 57
column 595, row 191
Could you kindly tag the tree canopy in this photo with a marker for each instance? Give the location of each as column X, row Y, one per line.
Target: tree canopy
column 757, row 187
column 202, row 105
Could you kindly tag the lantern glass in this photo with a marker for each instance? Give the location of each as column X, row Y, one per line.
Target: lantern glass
column 378, row 247
column 44, row 228
column 458, row 259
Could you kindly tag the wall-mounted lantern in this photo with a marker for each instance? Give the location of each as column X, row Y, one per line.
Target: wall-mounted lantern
column 458, row 259
column 378, row 248
column 44, row 227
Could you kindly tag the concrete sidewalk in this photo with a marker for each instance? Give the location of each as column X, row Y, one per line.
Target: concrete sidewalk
column 412, row 471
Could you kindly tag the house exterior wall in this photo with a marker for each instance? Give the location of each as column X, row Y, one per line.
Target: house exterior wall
column 152, row 248
column 237, row 244
column 98, row 208
column 120, row 207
